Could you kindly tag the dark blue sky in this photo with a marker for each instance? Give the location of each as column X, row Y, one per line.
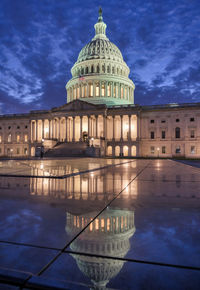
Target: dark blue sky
column 40, row 41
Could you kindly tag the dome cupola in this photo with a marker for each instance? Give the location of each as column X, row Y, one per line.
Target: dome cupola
column 100, row 75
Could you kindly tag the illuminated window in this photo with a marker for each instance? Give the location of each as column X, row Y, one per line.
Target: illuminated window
column 97, row 224
column 74, row 93
column 9, row 138
column 122, row 92
column 18, row 151
column 114, row 90
column 85, row 88
column 192, row 150
column 0, row 138
column 103, row 90
column 82, row 91
column 163, row 149
column 91, row 90
column 18, row 138
column 108, row 224
column 152, row 135
column 108, row 88
column 26, row 138
column 163, row 134
column 78, row 93
column 97, row 90
column 25, row 151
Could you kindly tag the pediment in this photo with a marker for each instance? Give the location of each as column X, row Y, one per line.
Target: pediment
column 77, row 105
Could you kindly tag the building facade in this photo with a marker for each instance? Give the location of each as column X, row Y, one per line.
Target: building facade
column 101, row 114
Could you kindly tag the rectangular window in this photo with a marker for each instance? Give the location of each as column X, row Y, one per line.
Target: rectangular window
column 103, row 90
column 163, row 149
column 26, row 138
column 108, row 88
column 25, row 151
column 0, row 138
column 122, row 92
column 18, row 150
column 163, row 134
column 78, row 92
column 97, row 90
column 85, row 89
column 114, row 91
column 192, row 134
column 18, row 138
column 178, row 149
column 151, row 121
column 163, row 121
column 90, row 90
column 192, row 150
column 191, row 119
column 152, row 149
column 152, row 135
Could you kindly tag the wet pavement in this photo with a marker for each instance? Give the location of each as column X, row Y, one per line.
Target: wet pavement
column 114, row 224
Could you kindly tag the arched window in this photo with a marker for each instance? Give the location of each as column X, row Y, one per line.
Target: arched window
column 103, row 68
column 82, row 71
column 133, row 150
column 108, row 69
column 86, row 70
column 117, row 150
column 92, row 69
column 113, row 70
column 125, row 150
column 98, row 69
column 177, row 132
column 109, row 150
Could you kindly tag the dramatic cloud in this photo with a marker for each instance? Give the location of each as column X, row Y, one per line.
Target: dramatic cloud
column 40, row 41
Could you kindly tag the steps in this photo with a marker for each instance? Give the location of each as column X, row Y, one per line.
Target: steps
column 69, row 149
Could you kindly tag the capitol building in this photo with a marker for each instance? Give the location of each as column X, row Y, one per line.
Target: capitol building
column 100, row 117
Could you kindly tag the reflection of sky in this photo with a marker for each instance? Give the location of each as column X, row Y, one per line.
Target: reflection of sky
column 40, row 41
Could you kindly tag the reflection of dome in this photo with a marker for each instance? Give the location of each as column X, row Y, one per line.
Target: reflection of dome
column 108, row 235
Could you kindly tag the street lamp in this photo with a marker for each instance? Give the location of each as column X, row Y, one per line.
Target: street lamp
column 158, row 150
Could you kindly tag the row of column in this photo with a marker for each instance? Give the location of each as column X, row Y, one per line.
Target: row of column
column 100, row 89
column 64, row 128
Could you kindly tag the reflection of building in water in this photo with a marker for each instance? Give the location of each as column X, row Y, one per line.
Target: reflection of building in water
column 108, row 235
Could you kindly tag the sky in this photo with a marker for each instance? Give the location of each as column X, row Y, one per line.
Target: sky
column 40, row 41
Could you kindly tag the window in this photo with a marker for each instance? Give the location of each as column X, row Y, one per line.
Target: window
column 9, row 138
column 152, row 149
column 26, row 138
column 177, row 120
column 163, row 150
column 192, row 150
column 191, row 119
column 177, row 132
column 86, row 70
column 18, row 138
column 25, row 151
column 192, row 134
column 163, row 134
column 151, row 121
column 178, row 149
column 103, row 90
column 163, row 121
column 92, row 69
column 108, row 69
column 18, row 150
column 108, row 88
column 152, row 135
column 0, row 138
column 97, row 69
column 18, row 127
column 97, row 89
column 26, row 127
column 9, row 127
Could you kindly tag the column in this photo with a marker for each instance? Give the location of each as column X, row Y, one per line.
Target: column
column 81, row 122
column 138, row 128
column 48, row 129
column 96, row 126
column 81, row 90
column 66, row 131
column 104, row 126
column 43, row 129
column 88, row 126
column 129, row 127
column 106, row 89
column 59, row 120
column 36, row 130
column 112, row 88
column 87, row 91
column 73, row 137
column 121, row 127
column 113, row 117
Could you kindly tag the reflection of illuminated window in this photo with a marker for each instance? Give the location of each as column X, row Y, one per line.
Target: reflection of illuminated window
column 78, row 224
column 74, row 221
column 122, row 222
